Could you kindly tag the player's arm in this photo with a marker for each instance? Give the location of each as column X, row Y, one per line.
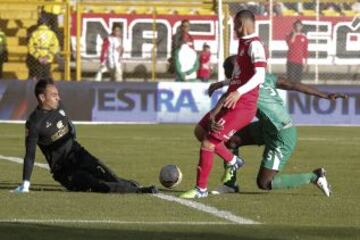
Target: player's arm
column 283, row 83
column 31, row 138
column 214, row 126
column 217, row 85
column 258, row 58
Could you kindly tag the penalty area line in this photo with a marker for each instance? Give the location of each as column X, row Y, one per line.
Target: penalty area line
column 226, row 215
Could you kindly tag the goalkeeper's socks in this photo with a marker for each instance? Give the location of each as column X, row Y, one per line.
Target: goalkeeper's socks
column 286, row 181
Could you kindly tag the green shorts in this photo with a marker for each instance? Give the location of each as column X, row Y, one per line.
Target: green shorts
column 279, row 145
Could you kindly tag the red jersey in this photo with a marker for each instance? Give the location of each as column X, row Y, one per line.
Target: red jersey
column 251, row 54
column 298, row 48
column 204, row 69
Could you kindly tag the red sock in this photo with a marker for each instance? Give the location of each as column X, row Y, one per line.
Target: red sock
column 204, row 167
column 222, row 151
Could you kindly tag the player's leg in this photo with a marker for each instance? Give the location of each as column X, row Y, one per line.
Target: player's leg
column 278, row 151
column 205, row 164
column 101, row 178
column 265, row 177
column 249, row 135
column 206, row 160
column 214, row 143
column 200, row 133
column 119, row 73
column 63, row 177
column 99, row 74
column 202, row 128
column 234, row 121
column 112, row 71
column 279, row 146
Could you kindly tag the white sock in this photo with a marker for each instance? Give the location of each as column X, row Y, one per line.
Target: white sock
column 202, row 189
column 232, row 162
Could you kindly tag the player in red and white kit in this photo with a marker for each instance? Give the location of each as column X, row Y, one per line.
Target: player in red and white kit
column 111, row 56
column 238, row 105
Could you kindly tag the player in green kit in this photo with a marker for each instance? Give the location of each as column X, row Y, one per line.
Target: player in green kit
column 276, row 131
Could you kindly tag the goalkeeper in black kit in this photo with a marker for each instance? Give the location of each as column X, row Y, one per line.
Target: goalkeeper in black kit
column 71, row 165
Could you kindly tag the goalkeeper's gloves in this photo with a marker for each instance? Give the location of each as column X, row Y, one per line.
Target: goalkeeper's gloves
column 24, row 187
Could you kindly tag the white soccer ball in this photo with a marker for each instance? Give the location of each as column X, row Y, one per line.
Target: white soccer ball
column 170, row 176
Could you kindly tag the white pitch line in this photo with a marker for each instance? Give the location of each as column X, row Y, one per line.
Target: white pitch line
column 21, row 161
column 208, row 209
column 196, row 205
column 105, row 221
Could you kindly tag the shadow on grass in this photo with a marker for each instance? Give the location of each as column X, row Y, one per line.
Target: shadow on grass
column 16, row 231
column 166, row 190
column 34, row 187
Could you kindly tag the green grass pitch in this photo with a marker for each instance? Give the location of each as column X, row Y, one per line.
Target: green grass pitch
column 139, row 151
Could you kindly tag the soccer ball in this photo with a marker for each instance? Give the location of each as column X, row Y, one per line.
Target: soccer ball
column 170, row 176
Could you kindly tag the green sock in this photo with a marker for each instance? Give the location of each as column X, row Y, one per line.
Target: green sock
column 292, row 180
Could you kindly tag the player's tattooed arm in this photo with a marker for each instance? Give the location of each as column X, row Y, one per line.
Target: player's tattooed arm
column 283, row 83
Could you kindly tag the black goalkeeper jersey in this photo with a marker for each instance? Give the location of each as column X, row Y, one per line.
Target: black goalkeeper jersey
column 53, row 132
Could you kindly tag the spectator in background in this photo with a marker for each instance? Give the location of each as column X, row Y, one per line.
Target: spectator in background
column 297, row 53
column 43, row 46
column 3, row 52
column 204, row 71
column 186, row 63
column 181, row 36
column 51, row 14
column 111, row 54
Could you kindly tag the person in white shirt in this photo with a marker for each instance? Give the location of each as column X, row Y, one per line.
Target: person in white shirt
column 111, row 56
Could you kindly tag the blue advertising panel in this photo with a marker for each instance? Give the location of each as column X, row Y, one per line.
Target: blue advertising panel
column 315, row 111
column 184, row 102
column 125, row 102
column 166, row 102
column 159, row 103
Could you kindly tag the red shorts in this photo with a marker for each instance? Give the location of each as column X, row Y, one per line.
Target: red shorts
column 232, row 119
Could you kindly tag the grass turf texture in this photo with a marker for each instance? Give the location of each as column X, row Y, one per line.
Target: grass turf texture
column 139, row 151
